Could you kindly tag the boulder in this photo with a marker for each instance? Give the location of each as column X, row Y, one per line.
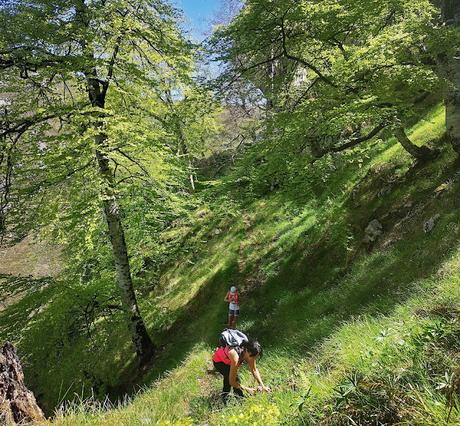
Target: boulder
column 17, row 403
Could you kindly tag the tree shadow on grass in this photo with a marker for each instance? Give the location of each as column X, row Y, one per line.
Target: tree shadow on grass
column 298, row 300
column 21, row 298
column 200, row 320
column 316, row 291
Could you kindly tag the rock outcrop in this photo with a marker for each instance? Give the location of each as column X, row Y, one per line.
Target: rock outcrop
column 17, row 403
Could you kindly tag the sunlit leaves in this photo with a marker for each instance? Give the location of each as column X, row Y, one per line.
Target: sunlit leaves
column 331, row 65
column 154, row 120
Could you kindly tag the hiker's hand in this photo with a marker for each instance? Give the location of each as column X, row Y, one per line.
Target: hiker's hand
column 250, row 391
column 262, row 388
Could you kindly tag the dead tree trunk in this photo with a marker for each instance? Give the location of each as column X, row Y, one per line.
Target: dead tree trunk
column 451, row 17
column 421, row 153
column 17, row 403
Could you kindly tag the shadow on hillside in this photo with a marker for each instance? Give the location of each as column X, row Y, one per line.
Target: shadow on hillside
column 324, row 281
column 315, row 291
column 18, row 302
column 312, row 295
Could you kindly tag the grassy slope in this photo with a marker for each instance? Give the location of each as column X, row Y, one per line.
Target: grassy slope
column 348, row 331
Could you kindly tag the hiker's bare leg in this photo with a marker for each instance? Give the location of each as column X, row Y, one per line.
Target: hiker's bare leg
column 230, row 321
column 234, row 320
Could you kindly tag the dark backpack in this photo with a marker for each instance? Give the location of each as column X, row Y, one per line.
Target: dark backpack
column 232, row 338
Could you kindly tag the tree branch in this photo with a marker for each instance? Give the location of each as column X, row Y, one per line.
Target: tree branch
column 133, row 160
column 110, row 67
column 357, row 141
column 305, row 93
column 26, row 124
column 302, row 61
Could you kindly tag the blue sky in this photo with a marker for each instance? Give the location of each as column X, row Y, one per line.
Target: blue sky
column 198, row 15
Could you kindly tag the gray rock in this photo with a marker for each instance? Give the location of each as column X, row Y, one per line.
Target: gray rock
column 430, row 223
column 373, row 231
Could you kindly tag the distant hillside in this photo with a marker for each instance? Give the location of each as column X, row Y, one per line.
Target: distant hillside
column 30, row 258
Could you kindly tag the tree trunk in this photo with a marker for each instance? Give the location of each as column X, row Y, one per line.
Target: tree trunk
column 183, row 150
column 451, row 17
column 97, row 90
column 421, row 153
column 144, row 346
column 17, row 403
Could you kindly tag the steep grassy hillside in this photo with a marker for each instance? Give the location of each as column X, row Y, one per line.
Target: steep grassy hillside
column 353, row 332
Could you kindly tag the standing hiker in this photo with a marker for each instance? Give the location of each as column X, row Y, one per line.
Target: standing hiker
column 233, row 298
column 236, row 349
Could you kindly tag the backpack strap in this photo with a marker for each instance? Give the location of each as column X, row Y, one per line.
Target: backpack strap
column 239, row 350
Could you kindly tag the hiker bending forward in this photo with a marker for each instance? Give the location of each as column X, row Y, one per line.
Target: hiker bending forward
column 228, row 359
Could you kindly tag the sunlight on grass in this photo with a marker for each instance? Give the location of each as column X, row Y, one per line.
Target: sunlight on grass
column 343, row 324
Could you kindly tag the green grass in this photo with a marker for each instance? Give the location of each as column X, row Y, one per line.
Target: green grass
column 349, row 331
column 145, row 407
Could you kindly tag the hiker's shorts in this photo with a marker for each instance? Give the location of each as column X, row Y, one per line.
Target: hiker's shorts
column 234, row 312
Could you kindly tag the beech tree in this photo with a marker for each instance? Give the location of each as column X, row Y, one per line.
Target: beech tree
column 348, row 69
column 87, row 90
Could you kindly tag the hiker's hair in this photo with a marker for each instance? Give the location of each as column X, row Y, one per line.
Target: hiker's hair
column 253, row 347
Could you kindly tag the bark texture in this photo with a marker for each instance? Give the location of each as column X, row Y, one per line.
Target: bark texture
column 17, row 403
column 451, row 17
column 421, row 153
column 142, row 342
